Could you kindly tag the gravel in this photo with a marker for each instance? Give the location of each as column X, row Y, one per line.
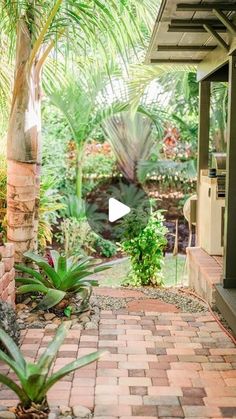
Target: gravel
column 175, row 296
column 172, row 296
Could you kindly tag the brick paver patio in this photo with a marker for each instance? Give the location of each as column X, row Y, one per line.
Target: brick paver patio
column 160, row 365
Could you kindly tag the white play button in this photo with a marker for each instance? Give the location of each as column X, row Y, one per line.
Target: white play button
column 117, row 210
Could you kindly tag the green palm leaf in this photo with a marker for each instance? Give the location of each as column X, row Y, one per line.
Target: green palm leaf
column 12, row 349
column 52, row 298
column 79, row 363
column 14, row 387
column 24, row 289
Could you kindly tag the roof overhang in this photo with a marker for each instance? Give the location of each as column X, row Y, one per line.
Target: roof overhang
column 195, row 32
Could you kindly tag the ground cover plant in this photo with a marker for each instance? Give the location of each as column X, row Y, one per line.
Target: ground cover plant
column 36, row 379
column 59, row 279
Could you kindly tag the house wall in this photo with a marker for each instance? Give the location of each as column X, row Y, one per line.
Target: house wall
column 7, row 273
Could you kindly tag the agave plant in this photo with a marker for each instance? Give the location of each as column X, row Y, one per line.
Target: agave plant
column 59, row 277
column 35, row 379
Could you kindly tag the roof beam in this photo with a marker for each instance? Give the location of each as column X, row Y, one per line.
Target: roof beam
column 205, row 7
column 220, row 41
column 191, row 22
column 225, row 20
column 174, row 61
column 194, row 28
column 196, row 48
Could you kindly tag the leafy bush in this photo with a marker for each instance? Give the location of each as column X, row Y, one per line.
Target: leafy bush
column 55, row 135
column 99, row 165
column 8, row 322
column 35, row 379
column 76, row 237
column 105, row 247
column 59, row 277
column 145, row 245
column 49, row 205
column 80, row 210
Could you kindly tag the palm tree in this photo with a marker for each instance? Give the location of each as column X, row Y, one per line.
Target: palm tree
column 33, row 30
column 81, row 101
column 131, row 138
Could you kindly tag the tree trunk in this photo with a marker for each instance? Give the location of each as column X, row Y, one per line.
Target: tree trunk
column 24, row 149
column 79, row 172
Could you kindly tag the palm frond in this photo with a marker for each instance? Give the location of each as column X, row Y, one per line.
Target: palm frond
column 142, row 75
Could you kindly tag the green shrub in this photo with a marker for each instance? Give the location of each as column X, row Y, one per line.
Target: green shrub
column 99, row 165
column 35, row 379
column 145, row 245
column 49, row 206
column 81, row 211
column 58, row 278
column 105, row 247
column 76, row 237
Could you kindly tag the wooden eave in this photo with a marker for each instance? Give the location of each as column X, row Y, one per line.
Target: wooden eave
column 195, row 32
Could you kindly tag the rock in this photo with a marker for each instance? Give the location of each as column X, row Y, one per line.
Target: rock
column 91, row 325
column 96, row 310
column 52, row 416
column 65, row 410
column 27, row 301
column 7, row 415
column 95, row 318
column 84, row 319
column 81, row 412
column 37, row 325
column 32, row 318
column 49, row 316
column 57, row 321
column 8, row 322
column 21, row 306
column 77, row 326
column 51, row 326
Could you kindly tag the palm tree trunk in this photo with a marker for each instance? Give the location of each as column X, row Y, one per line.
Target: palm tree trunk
column 23, row 149
column 79, row 173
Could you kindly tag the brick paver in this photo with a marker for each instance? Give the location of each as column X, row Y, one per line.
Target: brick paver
column 159, row 365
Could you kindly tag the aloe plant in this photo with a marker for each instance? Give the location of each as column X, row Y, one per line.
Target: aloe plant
column 35, row 379
column 59, row 278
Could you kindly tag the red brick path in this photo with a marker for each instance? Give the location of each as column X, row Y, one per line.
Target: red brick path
column 168, row 365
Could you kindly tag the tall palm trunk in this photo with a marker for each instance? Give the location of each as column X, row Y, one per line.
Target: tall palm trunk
column 79, row 171
column 23, row 148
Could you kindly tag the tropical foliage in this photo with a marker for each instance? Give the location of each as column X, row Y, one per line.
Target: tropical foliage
column 59, row 277
column 79, row 102
column 131, row 139
column 144, row 240
column 36, row 379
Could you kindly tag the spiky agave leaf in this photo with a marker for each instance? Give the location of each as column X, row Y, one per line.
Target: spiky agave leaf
column 35, row 379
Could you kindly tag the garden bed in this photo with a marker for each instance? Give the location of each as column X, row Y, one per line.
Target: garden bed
column 171, row 202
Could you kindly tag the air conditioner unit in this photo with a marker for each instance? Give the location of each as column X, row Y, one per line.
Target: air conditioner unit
column 211, row 208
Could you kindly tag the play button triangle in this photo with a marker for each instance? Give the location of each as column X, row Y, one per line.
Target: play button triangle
column 117, row 210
